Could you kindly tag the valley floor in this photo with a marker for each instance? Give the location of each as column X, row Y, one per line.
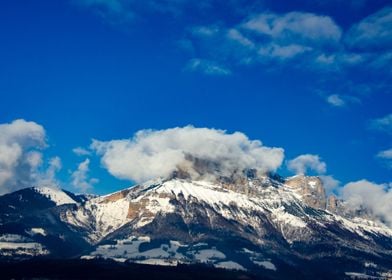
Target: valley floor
column 106, row 269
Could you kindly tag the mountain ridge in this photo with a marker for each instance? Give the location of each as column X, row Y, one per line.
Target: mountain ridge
column 255, row 223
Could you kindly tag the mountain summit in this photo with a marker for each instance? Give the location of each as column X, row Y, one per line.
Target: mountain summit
column 265, row 224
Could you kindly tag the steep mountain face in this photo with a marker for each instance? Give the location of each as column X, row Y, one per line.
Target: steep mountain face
column 30, row 224
column 311, row 190
column 264, row 224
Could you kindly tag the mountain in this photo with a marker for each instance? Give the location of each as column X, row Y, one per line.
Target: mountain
column 30, row 224
column 270, row 226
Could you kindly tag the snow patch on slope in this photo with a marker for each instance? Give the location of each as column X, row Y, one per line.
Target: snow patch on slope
column 57, row 196
column 17, row 245
column 170, row 253
column 35, row 231
column 266, row 264
column 99, row 217
column 229, row 265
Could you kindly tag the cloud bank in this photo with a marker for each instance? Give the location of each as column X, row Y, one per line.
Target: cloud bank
column 375, row 197
column 158, row 153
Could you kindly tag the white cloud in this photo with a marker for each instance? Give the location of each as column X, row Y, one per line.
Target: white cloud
column 306, row 28
column 386, row 155
column 79, row 151
column 382, row 124
column 34, row 159
column 205, row 31
column 336, row 100
column 282, row 52
column 207, row 67
column 150, row 154
column 80, row 178
column 304, row 163
column 20, row 142
column 48, row 177
column 307, row 42
column 268, row 37
column 21, row 158
column 372, row 33
column 376, row 198
column 235, row 35
column 330, row 183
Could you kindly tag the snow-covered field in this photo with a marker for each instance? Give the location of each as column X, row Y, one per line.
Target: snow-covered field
column 164, row 254
column 16, row 245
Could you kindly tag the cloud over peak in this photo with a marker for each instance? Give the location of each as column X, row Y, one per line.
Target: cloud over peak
column 307, row 162
column 373, row 197
column 158, row 153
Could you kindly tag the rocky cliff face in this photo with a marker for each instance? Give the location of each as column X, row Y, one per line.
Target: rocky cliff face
column 310, row 188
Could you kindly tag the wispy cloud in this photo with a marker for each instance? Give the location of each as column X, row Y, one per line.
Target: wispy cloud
column 267, row 36
column 79, row 151
column 373, row 33
column 302, row 28
column 382, row 124
column 80, row 177
column 307, row 162
column 48, row 178
column 386, row 157
column 336, row 100
column 387, row 154
column 330, row 184
column 207, row 67
column 309, row 42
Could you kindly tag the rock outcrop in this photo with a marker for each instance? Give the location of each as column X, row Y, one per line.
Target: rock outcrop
column 311, row 188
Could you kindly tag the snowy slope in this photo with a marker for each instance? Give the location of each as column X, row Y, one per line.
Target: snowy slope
column 58, row 196
column 282, row 206
column 18, row 246
column 145, row 225
column 262, row 223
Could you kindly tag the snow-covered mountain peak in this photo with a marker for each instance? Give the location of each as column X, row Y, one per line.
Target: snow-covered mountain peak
column 242, row 223
column 58, row 196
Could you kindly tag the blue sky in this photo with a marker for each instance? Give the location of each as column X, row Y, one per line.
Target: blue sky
column 311, row 77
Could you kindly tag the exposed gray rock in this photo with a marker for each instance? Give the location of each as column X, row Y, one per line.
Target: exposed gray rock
column 311, row 188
